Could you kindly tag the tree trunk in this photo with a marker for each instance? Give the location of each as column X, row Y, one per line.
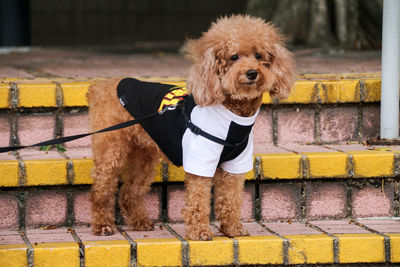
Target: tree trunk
column 320, row 33
column 327, row 23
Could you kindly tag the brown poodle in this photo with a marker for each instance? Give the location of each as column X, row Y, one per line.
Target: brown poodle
column 237, row 60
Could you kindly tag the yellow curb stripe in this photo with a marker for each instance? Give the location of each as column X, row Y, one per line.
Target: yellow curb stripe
column 266, row 99
column 281, row 165
column 355, row 248
column 373, row 163
column 302, row 92
column 250, row 175
column 158, row 175
column 9, row 173
column 13, row 255
column 46, row 172
column 56, row 254
column 217, row 252
column 329, row 89
column 74, row 94
column 260, row 250
column 310, row 249
column 327, row 164
column 4, row 95
column 159, row 252
column 107, row 253
column 32, row 95
column 303, row 249
column 339, row 91
column 394, row 247
column 372, row 90
column 82, row 169
column 175, row 174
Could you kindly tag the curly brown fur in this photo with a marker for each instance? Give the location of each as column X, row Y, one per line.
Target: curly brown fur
column 214, row 75
column 222, row 59
column 228, row 190
column 197, row 210
column 129, row 151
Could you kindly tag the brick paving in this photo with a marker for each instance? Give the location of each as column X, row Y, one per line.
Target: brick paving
column 278, row 199
column 79, row 63
column 334, row 242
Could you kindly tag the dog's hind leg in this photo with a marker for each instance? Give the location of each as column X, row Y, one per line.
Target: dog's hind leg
column 228, row 190
column 108, row 166
column 197, row 207
column 110, row 156
column 138, row 177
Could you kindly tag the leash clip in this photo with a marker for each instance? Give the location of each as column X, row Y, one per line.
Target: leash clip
column 167, row 108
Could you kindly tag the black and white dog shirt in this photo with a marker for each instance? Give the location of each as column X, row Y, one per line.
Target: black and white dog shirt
column 182, row 146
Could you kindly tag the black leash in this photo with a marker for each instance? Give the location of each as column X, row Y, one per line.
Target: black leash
column 195, row 129
column 78, row 136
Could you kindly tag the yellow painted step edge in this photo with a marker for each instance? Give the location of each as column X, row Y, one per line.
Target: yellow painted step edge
column 39, row 93
column 159, row 252
column 218, row 252
column 366, row 248
column 107, row 253
column 303, row 249
column 260, row 250
column 394, row 247
column 56, row 254
column 373, row 163
column 273, row 166
column 310, row 249
column 13, row 255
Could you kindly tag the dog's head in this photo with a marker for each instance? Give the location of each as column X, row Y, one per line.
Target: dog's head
column 239, row 56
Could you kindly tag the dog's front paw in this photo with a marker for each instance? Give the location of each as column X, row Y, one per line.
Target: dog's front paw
column 141, row 225
column 233, row 230
column 103, row 229
column 199, row 234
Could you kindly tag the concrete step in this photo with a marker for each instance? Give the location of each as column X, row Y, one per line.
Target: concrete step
column 311, row 242
column 295, row 182
column 322, row 109
column 336, row 202
column 31, row 167
column 308, row 89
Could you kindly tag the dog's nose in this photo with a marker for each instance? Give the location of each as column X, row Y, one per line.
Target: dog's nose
column 251, row 74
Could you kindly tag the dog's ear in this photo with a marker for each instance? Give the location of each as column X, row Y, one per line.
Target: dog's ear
column 283, row 67
column 203, row 81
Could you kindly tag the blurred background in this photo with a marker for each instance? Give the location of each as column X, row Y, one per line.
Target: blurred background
column 164, row 24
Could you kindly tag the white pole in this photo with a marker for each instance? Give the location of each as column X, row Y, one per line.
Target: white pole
column 390, row 69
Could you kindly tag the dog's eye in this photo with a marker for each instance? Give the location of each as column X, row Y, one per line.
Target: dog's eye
column 257, row 56
column 234, row 57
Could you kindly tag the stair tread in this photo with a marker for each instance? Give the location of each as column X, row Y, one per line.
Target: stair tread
column 308, row 89
column 275, row 162
column 340, row 241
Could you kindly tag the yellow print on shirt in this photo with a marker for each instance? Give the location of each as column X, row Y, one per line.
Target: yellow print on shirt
column 173, row 97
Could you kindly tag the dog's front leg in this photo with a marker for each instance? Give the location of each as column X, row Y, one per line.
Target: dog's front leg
column 197, row 211
column 228, row 189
